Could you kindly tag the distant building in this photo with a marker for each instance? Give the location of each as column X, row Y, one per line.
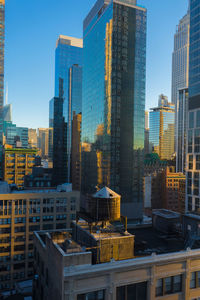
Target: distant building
column 13, row 134
column 7, row 113
column 51, row 116
column 18, row 162
column 32, row 138
column 43, row 142
column 59, row 144
column 161, row 129
column 22, row 213
column 171, row 190
column 40, row 177
column 180, row 57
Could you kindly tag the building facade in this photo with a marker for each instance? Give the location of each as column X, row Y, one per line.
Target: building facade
column 181, row 129
column 76, row 152
column 113, row 105
column 2, row 40
column 43, row 142
column 32, row 138
column 51, row 116
column 180, row 57
column 18, row 162
column 161, row 130
column 167, row 276
column 20, row 215
column 193, row 148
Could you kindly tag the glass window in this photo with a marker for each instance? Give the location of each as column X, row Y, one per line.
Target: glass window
column 191, row 120
column 168, row 285
column 193, row 280
column 159, row 287
column 198, row 118
column 177, row 283
column 197, row 162
column 197, row 140
column 191, row 162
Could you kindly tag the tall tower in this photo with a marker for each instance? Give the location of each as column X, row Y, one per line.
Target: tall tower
column 180, row 57
column 113, row 108
column 68, row 63
column 2, row 39
column 193, row 134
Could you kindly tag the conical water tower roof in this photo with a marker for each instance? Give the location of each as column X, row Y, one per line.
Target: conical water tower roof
column 106, row 193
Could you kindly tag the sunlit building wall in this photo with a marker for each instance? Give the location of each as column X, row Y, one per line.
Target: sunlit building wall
column 114, row 59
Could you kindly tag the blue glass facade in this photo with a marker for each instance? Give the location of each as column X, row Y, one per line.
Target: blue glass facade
column 13, row 133
column 68, row 52
column 114, row 62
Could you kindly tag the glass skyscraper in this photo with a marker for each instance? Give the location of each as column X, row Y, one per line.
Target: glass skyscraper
column 113, row 108
column 161, row 130
column 68, row 68
column 193, row 142
column 2, row 39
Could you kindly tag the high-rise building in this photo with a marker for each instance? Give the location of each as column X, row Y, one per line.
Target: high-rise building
column 2, row 39
column 15, row 134
column 43, row 142
column 59, row 143
column 76, row 152
column 51, row 115
column 113, row 108
column 146, row 133
column 68, row 69
column 75, row 107
column 180, row 57
column 193, row 143
column 161, row 129
column 7, row 113
column 68, row 52
column 32, row 138
column 181, row 129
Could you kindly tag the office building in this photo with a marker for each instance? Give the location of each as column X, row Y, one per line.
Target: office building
column 2, row 40
column 32, row 138
column 68, row 52
column 43, row 142
column 181, row 129
column 113, row 107
column 68, row 70
column 17, row 163
column 76, row 152
column 51, row 115
column 21, row 213
column 7, row 113
column 161, row 129
column 59, row 144
column 180, row 57
column 193, row 143
column 15, row 134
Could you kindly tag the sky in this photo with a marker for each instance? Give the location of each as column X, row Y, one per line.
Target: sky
column 32, row 28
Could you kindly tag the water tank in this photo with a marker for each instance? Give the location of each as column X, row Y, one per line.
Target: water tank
column 105, row 205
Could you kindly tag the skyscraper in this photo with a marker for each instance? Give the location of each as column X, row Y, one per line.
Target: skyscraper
column 68, row 68
column 193, row 143
column 161, row 129
column 2, row 39
column 180, row 57
column 68, row 52
column 113, row 109
column 43, row 142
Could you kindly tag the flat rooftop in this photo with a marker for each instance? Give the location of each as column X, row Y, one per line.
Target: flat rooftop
column 148, row 241
column 167, row 214
column 100, row 233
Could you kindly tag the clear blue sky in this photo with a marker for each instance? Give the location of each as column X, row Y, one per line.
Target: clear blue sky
column 32, row 28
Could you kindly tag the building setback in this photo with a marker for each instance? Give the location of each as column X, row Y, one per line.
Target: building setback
column 113, row 108
column 21, row 213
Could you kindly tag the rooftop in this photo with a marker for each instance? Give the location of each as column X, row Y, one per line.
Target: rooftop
column 106, row 193
column 69, row 40
column 167, row 214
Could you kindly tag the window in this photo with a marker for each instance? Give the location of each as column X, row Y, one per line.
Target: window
column 98, row 295
column 195, row 280
column 136, row 291
column 198, row 118
column 190, row 162
column 169, row 285
column 197, row 140
column 197, row 162
column 191, row 120
column 190, row 139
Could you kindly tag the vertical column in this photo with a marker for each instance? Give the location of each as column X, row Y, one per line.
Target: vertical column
column 186, row 280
